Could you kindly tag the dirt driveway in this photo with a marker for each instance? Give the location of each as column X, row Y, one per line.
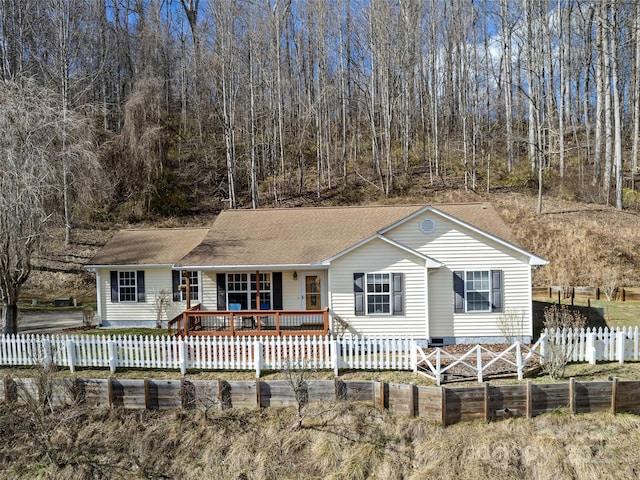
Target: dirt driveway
column 48, row 322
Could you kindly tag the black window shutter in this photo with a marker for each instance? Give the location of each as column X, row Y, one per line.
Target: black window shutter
column 276, row 286
column 358, row 292
column 175, row 282
column 114, row 286
column 458, row 291
column 140, row 285
column 497, row 304
column 398, row 293
column 221, row 282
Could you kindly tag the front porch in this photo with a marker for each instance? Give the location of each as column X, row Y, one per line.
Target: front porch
column 195, row 321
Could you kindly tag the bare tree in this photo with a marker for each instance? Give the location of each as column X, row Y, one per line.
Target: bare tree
column 32, row 126
column 559, row 321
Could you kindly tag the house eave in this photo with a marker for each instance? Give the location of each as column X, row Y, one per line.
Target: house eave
column 137, row 266
column 228, row 268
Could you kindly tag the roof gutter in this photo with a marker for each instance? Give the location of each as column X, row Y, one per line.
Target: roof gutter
column 227, row 268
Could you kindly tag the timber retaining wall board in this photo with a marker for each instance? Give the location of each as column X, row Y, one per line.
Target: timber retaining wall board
column 429, row 403
column 628, row 397
column 93, row 392
column 127, row 394
column 356, row 391
column 402, row 399
column 464, row 404
column 241, row 394
column 549, row 397
column 593, row 397
column 444, row 405
column 162, row 394
column 508, row 400
column 322, row 391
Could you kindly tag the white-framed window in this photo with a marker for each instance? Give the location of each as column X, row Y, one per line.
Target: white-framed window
column 241, row 291
column 127, row 286
column 478, row 291
column 378, row 293
column 194, row 286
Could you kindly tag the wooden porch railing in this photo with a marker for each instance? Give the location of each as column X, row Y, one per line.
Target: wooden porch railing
column 250, row 322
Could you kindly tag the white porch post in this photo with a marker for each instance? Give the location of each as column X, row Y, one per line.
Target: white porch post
column 99, row 296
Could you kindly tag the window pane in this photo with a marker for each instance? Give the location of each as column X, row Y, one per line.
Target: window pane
column 378, row 304
column 240, row 299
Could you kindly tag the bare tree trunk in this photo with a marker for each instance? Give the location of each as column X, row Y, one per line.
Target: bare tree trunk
column 600, row 98
column 636, row 96
column 561, row 104
column 253, row 174
column 507, row 81
column 608, row 129
column 617, row 114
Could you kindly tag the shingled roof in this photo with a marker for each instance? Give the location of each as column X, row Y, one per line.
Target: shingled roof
column 302, row 236
column 153, row 246
column 285, row 236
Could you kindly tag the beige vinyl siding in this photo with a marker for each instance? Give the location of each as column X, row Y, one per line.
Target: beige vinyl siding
column 380, row 256
column 460, row 248
column 155, row 280
column 209, row 292
column 291, row 290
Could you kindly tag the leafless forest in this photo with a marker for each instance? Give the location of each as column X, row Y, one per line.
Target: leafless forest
column 124, row 111
column 196, row 103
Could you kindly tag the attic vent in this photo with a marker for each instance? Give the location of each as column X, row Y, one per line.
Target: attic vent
column 427, row 225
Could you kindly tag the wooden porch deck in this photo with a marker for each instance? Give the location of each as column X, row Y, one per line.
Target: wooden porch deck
column 250, row 322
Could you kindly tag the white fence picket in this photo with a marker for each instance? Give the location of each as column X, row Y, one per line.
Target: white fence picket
column 238, row 353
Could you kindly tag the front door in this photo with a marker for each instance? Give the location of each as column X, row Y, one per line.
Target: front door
column 312, row 292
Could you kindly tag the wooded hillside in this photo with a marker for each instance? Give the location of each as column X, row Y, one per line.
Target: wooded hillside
column 198, row 104
column 193, row 106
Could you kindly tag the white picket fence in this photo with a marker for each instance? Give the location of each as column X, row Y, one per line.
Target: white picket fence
column 318, row 352
column 601, row 344
column 208, row 353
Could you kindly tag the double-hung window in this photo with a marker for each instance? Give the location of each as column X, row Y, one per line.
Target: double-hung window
column 478, row 291
column 127, row 286
column 378, row 293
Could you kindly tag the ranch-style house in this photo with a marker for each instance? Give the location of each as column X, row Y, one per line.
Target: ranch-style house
column 440, row 274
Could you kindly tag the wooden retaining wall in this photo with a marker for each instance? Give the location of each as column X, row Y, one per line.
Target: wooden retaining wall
column 557, row 293
column 444, row 405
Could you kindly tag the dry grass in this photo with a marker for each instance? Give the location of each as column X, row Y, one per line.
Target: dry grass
column 345, row 441
column 585, row 244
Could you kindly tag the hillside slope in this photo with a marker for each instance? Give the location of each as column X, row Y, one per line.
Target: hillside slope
column 586, row 244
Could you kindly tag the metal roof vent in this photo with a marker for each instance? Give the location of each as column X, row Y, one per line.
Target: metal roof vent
column 427, row 226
